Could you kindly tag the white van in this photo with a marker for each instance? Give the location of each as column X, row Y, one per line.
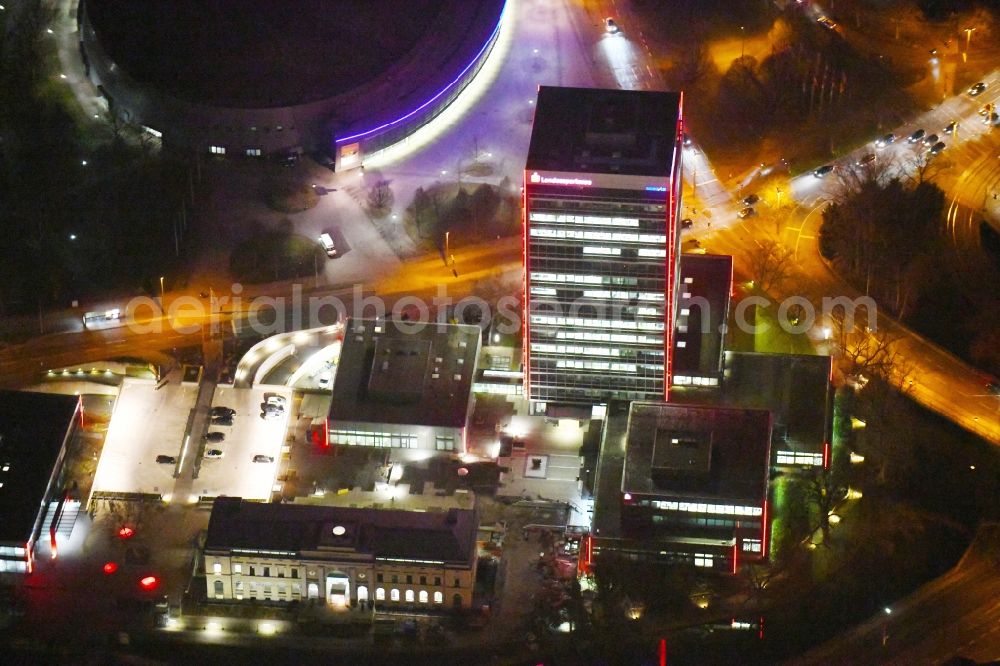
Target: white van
column 327, row 242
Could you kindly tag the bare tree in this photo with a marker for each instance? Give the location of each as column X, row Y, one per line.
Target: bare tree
column 771, row 265
column 380, row 199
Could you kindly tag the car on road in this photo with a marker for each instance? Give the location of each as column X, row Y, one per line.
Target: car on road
column 263, row 459
column 611, row 26
column 222, row 420
column 993, row 388
column 166, row 460
column 986, row 109
column 214, row 453
column 685, row 139
column 687, row 223
column 215, row 437
column 827, row 22
column 750, row 200
column 937, row 148
column 977, row 89
column 917, row 136
column 823, row 171
column 951, row 127
column 867, row 159
column 930, row 139
column 275, row 400
column 992, row 119
column 886, row 140
column 219, row 410
column 746, row 212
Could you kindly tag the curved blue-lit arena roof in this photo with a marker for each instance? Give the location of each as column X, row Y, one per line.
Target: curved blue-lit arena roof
column 254, row 78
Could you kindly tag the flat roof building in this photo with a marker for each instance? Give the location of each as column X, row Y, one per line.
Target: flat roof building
column 684, row 483
column 797, row 390
column 602, row 191
column 34, row 431
column 404, row 389
column 379, row 555
column 703, row 309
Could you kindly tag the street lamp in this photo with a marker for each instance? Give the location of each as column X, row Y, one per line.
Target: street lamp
column 743, row 41
column 161, row 292
column 447, row 234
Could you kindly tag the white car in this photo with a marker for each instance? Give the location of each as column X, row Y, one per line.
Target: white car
column 325, row 380
column 275, row 401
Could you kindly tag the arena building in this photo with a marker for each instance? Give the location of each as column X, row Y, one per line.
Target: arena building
column 343, row 78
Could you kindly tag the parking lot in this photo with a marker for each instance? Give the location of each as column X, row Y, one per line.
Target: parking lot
column 146, row 423
column 235, row 473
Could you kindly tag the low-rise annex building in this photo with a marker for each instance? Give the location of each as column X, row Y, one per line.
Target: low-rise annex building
column 366, row 551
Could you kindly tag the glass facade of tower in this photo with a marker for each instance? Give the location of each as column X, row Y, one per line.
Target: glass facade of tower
column 602, row 192
column 597, row 271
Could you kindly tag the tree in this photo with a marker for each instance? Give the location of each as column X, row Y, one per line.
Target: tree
column 380, row 199
column 879, row 235
column 771, row 265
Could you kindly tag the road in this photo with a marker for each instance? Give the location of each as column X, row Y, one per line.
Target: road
column 956, row 615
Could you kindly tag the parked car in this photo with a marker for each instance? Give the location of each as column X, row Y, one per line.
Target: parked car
column 166, row 460
column 687, row 223
column 275, row 400
column 937, row 148
column 214, row 453
column 930, row 140
column 325, row 380
column 917, row 136
column 977, row 89
column 750, row 200
column 215, row 437
column 222, row 421
column 867, row 159
column 823, row 171
column 218, row 410
column 746, row 212
column 326, row 240
column 886, row 140
column 611, row 26
column 685, row 139
column 986, row 109
column 950, row 127
column 263, row 459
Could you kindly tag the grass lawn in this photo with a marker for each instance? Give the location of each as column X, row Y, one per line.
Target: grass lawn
column 275, row 255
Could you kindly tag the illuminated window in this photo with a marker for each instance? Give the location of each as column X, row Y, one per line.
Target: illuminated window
column 362, row 593
column 423, row 596
column 237, row 568
column 702, row 560
column 217, row 568
column 253, row 152
column 438, row 598
column 379, row 594
column 217, row 150
column 394, row 594
column 409, row 596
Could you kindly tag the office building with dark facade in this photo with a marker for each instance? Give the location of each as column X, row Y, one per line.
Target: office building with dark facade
column 702, row 311
column 684, row 483
column 602, row 190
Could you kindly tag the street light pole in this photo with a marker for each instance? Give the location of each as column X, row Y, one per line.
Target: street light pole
column 161, row 293
column 743, row 41
column 446, row 247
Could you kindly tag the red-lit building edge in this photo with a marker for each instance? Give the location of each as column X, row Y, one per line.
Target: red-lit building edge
column 673, row 204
